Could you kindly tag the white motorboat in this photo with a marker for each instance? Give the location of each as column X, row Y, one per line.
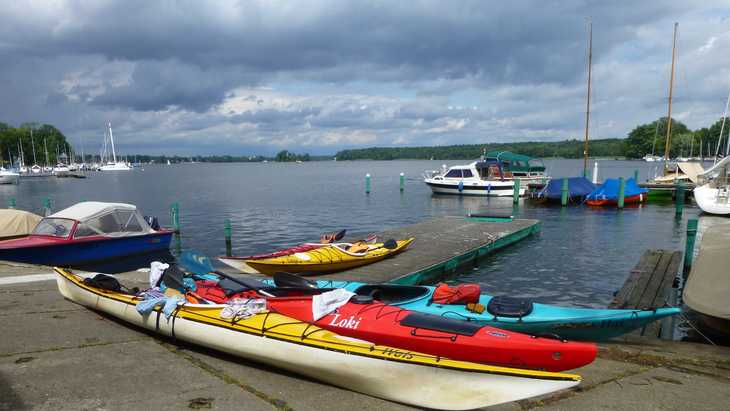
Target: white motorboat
column 713, row 193
column 8, row 177
column 481, row 178
column 652, row 158
column 36, row 169
column 114, row 165
column 61, row 170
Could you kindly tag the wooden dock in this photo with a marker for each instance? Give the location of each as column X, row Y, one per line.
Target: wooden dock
column 651, row 284
column 442, row 246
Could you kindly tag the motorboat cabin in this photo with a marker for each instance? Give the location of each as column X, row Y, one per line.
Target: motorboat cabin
column 88, row 232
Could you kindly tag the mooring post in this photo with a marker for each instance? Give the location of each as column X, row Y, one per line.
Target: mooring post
column 227, row 230
column 564, row 193
column 516, row 191
column 367, row 183
column 402, row 182
column 636, row 176
column 679, row 198
column 621, row 192
column 689, row 246
column 11, row 202
column 47, row 207
column 175, row 216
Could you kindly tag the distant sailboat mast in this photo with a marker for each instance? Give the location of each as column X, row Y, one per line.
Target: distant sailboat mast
column 722, row 129
column 111, row 138
column 671, row 90
column 588, row 101
column 45, row 148
column 32, row 143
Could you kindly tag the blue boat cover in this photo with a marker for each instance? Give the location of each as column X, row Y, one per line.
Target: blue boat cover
column 578, row 187
column 609, row 190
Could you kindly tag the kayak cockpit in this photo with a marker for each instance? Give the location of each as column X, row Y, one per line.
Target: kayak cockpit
column 393, row 293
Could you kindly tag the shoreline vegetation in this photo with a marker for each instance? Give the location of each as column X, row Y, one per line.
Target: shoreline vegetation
column 644, row 139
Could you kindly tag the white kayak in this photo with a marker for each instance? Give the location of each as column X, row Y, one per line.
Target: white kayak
column 394, row 374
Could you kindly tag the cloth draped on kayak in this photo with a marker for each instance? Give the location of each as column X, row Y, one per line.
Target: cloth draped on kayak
column 610, row 188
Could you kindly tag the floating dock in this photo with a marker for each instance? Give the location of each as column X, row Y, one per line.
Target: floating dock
column 651, row 284
column 442, row 246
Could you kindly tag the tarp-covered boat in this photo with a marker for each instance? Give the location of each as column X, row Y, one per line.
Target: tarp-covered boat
column 607, row 193
column 513, row 314
column 17, row 223
column 87, row 232
column 391, row 373
column 327, row 259
column 578, row 189
column 708, row 285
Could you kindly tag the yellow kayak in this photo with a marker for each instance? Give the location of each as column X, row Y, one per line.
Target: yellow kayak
column 333, row 257
column 391, row 373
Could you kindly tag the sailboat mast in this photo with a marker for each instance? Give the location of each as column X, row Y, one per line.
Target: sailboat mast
column 722, row 129
column 32, row 143
column 588, row 101
column 111, row 138
column 45, row 148
column 671, row 90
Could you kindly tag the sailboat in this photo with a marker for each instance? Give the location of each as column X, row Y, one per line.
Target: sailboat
column 114, row 165
column 35, row 168
column 652, row 157
column 713, row 193
column 588, row 102
column 47, row 168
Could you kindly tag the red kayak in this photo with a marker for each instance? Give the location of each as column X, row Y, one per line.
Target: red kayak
column 383, row 324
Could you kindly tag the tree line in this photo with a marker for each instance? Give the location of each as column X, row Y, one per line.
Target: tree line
column 14, row 140
column 639, row 142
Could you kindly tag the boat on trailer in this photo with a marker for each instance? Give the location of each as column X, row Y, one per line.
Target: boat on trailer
column 390, row 373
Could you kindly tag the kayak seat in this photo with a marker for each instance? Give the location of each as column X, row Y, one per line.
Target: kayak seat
column 438, row 323
column 392, row 294
column 501, row 306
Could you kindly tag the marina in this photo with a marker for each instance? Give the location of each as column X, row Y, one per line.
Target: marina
column 368, row 206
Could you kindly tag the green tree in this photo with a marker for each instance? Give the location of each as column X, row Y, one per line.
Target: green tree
column 643, row 138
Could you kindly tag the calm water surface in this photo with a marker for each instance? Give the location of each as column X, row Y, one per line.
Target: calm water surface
column 581, row 257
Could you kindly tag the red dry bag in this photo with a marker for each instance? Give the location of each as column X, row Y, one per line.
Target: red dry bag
column 461, row 294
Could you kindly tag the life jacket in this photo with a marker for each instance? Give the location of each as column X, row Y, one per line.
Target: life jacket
column 461, row 294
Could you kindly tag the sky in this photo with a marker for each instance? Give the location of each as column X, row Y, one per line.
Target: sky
column 318, row 76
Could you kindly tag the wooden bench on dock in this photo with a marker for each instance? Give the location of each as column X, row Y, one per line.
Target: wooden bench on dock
column 650, row 285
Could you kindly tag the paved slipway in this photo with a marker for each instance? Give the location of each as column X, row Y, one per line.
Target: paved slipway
column 56, row 355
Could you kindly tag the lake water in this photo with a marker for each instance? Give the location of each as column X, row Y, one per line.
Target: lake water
column 581, row 257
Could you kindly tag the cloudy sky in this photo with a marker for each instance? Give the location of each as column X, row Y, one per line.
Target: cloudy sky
column 255, row 77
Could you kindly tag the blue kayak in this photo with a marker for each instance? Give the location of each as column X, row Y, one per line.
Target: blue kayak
column 513, row 314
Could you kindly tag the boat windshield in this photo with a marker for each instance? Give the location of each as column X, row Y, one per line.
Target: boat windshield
column 54, row 227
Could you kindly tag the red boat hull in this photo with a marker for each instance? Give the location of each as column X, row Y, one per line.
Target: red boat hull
column 382, row 324
column 639, row 198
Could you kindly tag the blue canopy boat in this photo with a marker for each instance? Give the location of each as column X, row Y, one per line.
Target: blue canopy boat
column 578, row 189
column 87, row 232
column 607, row 193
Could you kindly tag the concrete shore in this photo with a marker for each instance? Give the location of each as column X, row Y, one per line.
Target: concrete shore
column 57, row 355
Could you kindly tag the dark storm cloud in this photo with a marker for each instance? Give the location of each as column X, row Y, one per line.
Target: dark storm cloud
column 371, row 70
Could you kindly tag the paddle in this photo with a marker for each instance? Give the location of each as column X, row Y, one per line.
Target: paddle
column 201, row 265
column 340, row 235
column 390, row 245
column 283, row 279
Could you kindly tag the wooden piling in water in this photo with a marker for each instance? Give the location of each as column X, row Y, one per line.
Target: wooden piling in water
column 47, row 207
column 367, row 183
column 636, row 176
column 564, row 193
column 402, row 182
column 227, row 230
column 175, row 216
column 679, row 198
column 689, row 246
column 516, row 191
column 621, row 192
column 11, row 202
